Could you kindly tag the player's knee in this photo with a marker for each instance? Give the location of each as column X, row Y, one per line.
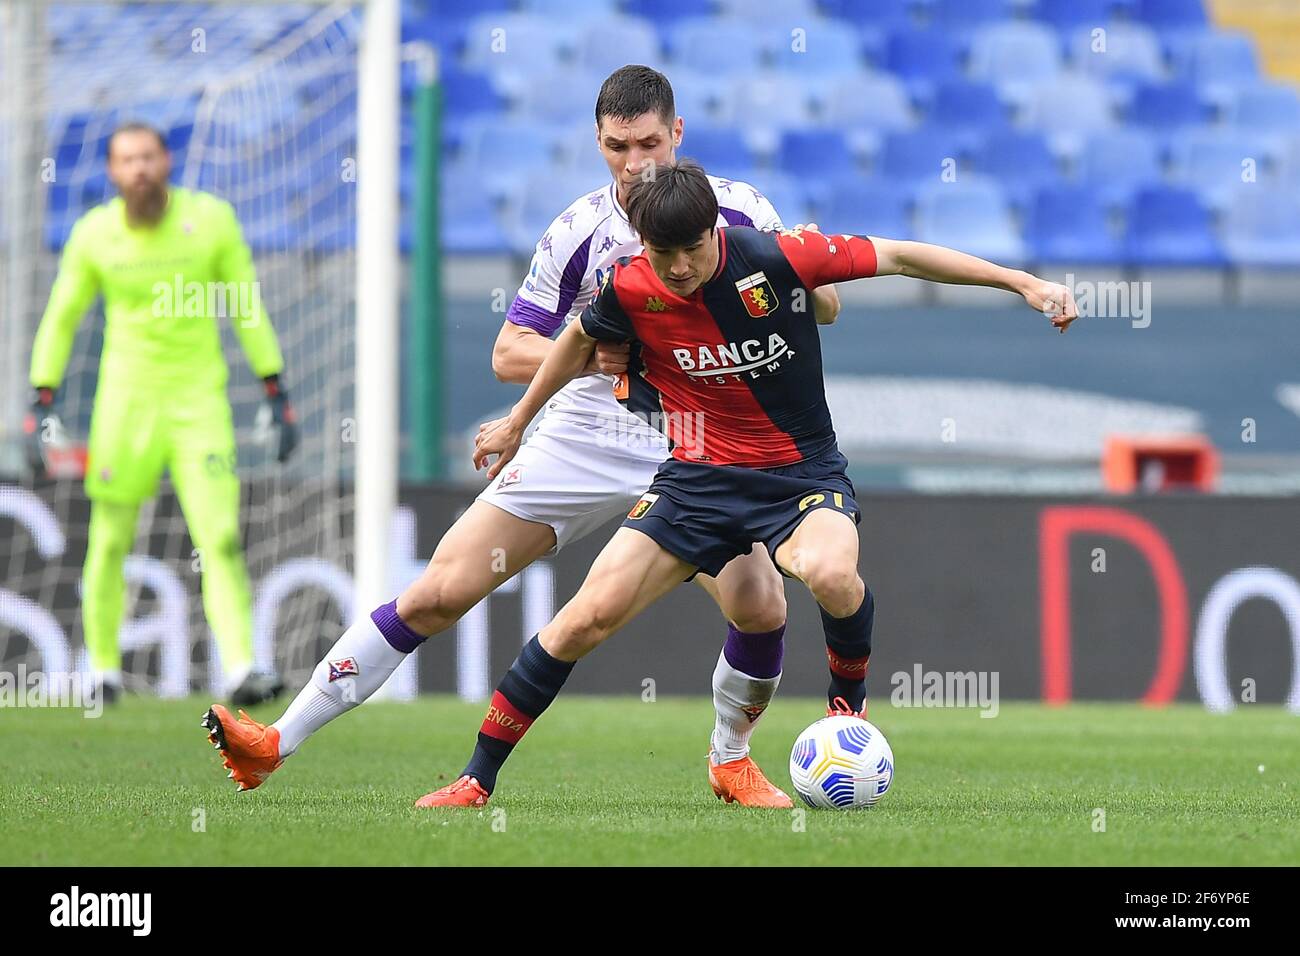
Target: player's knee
column 584, row 624
column 837, row 586
column 757, row 604
column 433, row 604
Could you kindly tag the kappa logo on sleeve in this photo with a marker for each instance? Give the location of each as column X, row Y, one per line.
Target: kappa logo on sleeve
column 641, row 507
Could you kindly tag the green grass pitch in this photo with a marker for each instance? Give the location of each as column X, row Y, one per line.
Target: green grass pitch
column 617, row 781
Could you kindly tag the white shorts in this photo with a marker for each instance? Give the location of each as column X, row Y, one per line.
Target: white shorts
column 571, row 475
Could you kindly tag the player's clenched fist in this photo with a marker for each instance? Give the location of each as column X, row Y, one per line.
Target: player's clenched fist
column 610, row 358
column 501, row 437
column 1054, row 300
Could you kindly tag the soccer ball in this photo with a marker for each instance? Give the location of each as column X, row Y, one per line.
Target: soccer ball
column 841, row 763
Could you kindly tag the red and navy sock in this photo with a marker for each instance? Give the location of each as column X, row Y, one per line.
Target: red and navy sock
column 528, row 688
column 848, row 649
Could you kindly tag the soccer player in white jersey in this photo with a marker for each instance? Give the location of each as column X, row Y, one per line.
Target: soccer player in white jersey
column 585, row 464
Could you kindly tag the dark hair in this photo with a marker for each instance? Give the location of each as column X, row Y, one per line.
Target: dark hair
column 672, row 205
column 632, row 90
column 135, row 126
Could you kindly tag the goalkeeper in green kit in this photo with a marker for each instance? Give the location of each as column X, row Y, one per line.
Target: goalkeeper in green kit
column 168, row 262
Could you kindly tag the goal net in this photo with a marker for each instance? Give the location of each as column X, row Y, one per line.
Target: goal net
column 258, row 102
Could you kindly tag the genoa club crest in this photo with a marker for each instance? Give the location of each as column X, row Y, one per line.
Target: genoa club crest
column 641, row 507
column 756, row 292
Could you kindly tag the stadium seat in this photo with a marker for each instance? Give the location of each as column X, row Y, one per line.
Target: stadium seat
column 920, row 155
column 1216, row 58
column 786, row 197
column 797, row 12
column 700, row 44
column 1070, row 15
column 1131, row 54
column 1077, row 96
column 972, row 215
column 825, row 47
column 722, row 151
column 1211, row 162
column 1167, row 106
column 515, row 48
column 885, row 13
column 961, row 105
column 865, row 106
column 1170, row 226
column 664, row 11
column 949, row 14
column 1118, row 163
column 469, row 220
column 1020, row 160
column 815, row 153
column 1069, row 223
column 466, row 92
column 566, row 10
column 1267, row 107
column 1261, row 228
column 562, row 95
column 922, row 59
column 1016, row 57
column 502, row 151
column 873, row 206
column 764, row 104
column 1176, row 14
column 607, row 44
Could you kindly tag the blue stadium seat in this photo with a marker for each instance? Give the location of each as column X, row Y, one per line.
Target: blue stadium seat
column 464, row 92
column 1211, row 162
column 826, row 46
column 1132, row 53
column 873, row 206
column 971, row 214
column 920, row 155
column 515, row 48
column 1216, row 58
column 607, row 44
column 885, row 13
column 1172, row 13
column 1117, row 164
column 766, row 103
column 786, row 196
column 469, row 220
column 667, row 11
column 1075, row 95
column 815, row 154
column 1020, row 160
column 1169, row 226
column 502, row 151
column 962, row 105
column 566, row 10
column 1016, row 57
column 796, row 12
column 1069, row 223
column 722, row 151
column 716, row 46
column 1070, row 15
column 923, row 58
column 1261, row 228
column 1267, row 107
column 865, row 105
column 562, row 95
column 1167, row 106
column 948, row 14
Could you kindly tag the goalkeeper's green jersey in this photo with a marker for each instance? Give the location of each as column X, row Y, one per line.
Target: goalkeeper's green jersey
column 166, row 289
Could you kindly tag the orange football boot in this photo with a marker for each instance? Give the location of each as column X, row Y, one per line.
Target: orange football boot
column 465, row 792
column 251, row 751
column 740, row 781
column 840, row 708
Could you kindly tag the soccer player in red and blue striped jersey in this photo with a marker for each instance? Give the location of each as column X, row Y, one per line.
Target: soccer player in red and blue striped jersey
column 726, row 358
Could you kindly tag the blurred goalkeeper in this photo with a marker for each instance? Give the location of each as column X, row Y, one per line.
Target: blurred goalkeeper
column 169, row 263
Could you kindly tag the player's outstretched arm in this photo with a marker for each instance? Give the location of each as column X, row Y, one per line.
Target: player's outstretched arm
column 566, row 361
column 921, row 260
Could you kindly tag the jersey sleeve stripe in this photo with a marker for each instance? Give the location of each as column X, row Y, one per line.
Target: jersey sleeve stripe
column 533, row 316
column 571, row 280
column 735, row 217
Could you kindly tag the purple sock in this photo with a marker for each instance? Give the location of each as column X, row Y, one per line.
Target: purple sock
column 396, row 631
column 758, row 655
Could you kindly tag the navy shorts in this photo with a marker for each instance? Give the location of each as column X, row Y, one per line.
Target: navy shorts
column 708, row 514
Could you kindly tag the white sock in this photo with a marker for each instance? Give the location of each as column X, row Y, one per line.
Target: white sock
column 739, row 701
column 360, row 661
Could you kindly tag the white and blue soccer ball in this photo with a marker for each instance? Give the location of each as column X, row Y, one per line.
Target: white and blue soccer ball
column 841, row 763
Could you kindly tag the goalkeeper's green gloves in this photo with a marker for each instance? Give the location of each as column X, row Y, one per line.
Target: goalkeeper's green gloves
column 277, row 422
column 42, row 431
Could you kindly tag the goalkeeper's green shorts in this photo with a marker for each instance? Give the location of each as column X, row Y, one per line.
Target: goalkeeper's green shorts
column 137, row 433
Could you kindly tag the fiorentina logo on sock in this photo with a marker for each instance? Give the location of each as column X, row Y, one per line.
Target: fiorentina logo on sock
column 754, row 711
column 346, row 667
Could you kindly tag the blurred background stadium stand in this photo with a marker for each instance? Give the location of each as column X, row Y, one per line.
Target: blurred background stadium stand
column 1117, row 141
